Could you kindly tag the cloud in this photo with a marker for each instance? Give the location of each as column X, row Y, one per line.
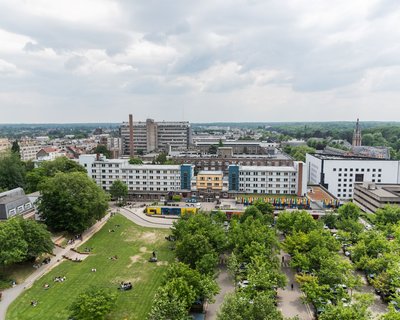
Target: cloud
column 211, row 59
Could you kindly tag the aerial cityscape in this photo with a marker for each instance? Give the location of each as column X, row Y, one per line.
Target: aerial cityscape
column 229, row 160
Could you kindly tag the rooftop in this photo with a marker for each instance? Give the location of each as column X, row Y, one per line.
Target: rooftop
column 323, row 156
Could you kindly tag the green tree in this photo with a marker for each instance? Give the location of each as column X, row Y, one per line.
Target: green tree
column 12, row 171
column 119, row 191
column 37, row 238
column 288, row 222
column 220, row 143
column 15, row 148
column 102, row 149
column 239, row 306
column 161, row 158
column 349, row 211
column 93, row 304
column 49, row 169
column 135, row 161
column 168, row 305
column 71, row 202
column 13, row 247
column 388, row 216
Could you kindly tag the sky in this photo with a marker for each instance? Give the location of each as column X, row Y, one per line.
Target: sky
column 201, row 61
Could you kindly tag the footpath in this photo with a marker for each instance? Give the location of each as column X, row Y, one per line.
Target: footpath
column 9, row 295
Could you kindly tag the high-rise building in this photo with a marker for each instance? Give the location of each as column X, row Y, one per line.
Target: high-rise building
column 147, row 136
column 357, row 135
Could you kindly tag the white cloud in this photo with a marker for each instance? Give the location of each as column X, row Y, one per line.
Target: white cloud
column 277, row 60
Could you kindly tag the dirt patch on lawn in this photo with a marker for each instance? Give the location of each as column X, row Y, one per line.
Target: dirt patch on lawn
column 135, row 259
column 162, row 263
column 149, row 237
column 143, row 249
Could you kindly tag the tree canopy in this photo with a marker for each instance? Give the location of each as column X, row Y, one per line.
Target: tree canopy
column 71, row 202
column 12, row 171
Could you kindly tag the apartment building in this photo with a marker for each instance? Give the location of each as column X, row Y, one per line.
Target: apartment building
column 149, row 135
column 290, row 180
column 4, row 144
column 338, row 174
column 143, row 181
column 29, row 150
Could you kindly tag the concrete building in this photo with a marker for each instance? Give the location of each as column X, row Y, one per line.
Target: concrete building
column 239, row 147
column 269, row 180
column 150, row 136
column 373, row 196
column 4, row 144
column 49, row 154
column 338, row 174
column 29, row 150
column 15, row 202
column 143, row 181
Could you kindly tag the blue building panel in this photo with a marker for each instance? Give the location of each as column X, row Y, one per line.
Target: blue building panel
column 233, row 178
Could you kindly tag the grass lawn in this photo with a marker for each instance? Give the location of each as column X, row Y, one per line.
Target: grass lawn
column 133, row 245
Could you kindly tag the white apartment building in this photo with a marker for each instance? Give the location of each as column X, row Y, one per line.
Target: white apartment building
column 269, row 179
column 28, row 151
column 49, row 154
column 146, row 179
column 338, row 174
column 4, row 144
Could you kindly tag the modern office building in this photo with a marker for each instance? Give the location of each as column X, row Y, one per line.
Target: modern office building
column 338, row 174
column 269, row 180
column 147, row 136
column 373, row 196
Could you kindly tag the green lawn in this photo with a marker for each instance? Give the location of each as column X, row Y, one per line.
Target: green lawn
column 133, row 245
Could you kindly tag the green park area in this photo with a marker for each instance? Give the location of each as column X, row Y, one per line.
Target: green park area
column 131, row 246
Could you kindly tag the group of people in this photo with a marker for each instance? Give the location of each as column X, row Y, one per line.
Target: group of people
column 125, row 286
column 60, row 279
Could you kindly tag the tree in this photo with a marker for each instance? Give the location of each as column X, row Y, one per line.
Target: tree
column 93, row 304
column 161, row 158
column 12, row 171
column 349, row 211
column 135, row 161
column 13, row 247
column 49, row 169
column 102, row 149
column 168, row 306
column 251, row 211
column 238, row 306
column 15, row 148
column 220, row 143
column 356, row 311
column 119, row 191
column 37, row 238
column 388, row 216
column 288, row 222
column 71, row 202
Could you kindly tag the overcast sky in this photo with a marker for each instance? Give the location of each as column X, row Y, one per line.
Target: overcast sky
column 200, row 60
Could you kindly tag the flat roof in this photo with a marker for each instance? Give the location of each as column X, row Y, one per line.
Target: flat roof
column 210, row 172
column 340, row 157
column 267, row 168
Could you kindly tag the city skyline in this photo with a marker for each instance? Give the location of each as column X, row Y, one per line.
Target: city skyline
column 243, row 61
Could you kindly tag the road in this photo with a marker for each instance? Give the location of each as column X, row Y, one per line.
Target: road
column 226, row 285
column 290, row 300
column 137, row 216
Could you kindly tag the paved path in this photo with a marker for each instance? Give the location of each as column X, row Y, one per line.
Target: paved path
column 11, row 294
column 137, row 216
column 226, row 285
column 290, row 301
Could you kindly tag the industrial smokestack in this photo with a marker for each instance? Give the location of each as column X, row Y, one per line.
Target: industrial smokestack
column 131, row 152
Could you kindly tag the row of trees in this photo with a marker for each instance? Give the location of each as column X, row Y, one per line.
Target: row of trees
column 254, row 247
column 199, row 240
column 323, row 274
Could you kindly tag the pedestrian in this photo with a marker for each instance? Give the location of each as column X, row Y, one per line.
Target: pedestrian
column 292, row 286
column 283, row 259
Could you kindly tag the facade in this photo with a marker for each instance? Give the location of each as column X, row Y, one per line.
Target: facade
column 268, row 180
column 4, row 144
column 49, row 154
column 150, row 136
column 338, row 174
column 239, row 147
column 147, row 182
column 143, row 181
column 371, row 196
column 29, row 150
column 15, row 202
column 224, row 159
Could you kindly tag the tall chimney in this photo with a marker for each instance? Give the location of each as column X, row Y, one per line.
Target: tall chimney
column 131, row 152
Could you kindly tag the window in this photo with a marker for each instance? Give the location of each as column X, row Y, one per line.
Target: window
column 359, row 177
column 334, row 169
column 379, row 170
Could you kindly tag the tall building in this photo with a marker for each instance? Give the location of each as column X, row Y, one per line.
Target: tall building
column 147, row 136
column 339, row 174
column 357, row 135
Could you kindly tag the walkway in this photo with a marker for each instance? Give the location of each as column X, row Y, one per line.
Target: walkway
column 137, row 216
column 226, row 285
column 290, row 301
column 11, row 294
